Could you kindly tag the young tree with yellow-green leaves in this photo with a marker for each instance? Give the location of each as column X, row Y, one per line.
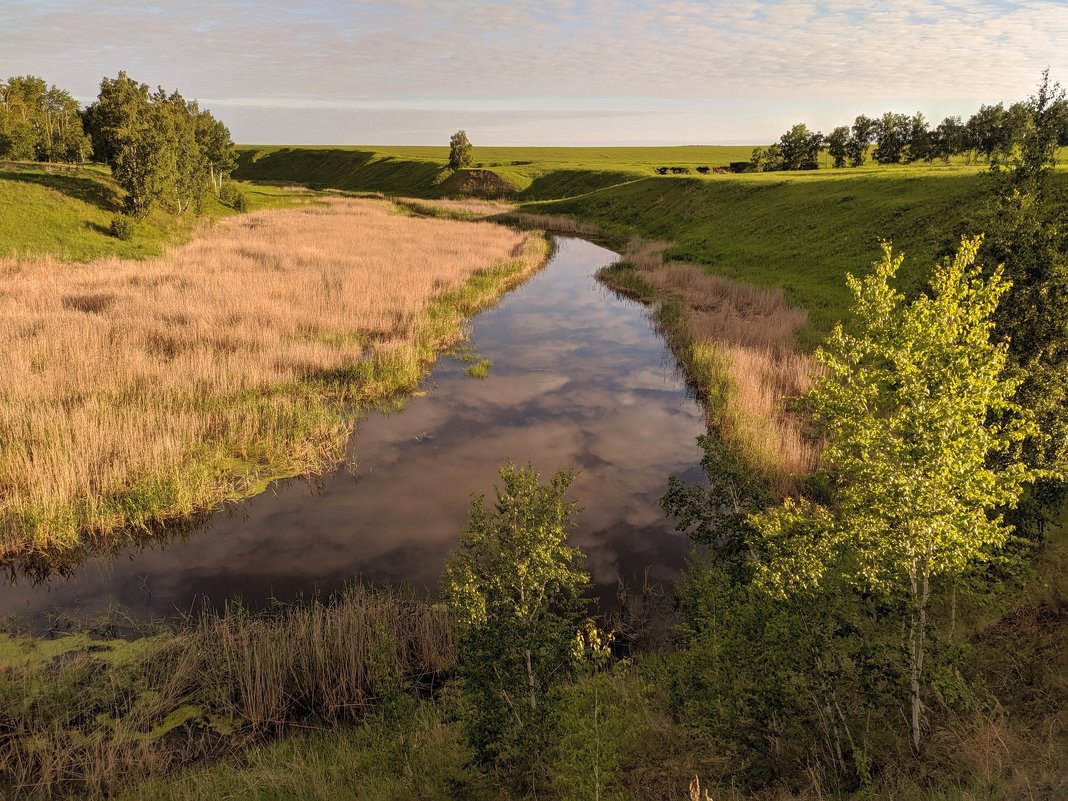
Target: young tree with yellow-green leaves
column 514, row 589
column 922, row 438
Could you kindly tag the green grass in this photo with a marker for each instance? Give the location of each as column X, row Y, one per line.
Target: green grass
column 65, row 211
column 802, row 231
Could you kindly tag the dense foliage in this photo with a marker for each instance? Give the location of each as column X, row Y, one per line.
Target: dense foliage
column 161, row 148
column 459, row 151
column 514, row 592
column 40, row 122
column 1028, row 234
column 994, row 133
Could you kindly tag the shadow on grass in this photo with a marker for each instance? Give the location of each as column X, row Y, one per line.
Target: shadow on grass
column 84, row 188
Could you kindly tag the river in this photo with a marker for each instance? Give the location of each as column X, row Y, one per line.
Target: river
column 579, row 378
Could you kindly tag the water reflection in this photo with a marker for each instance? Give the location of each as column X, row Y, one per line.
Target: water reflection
column 579, row 378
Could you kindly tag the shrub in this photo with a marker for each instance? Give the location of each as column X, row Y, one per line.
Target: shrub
column 703, row 170
column 233, row 197
column 122, row 227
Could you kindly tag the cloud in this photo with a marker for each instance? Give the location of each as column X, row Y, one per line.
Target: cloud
column 676, row 69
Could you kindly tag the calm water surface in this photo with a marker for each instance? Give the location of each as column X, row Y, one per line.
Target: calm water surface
column 579, row 378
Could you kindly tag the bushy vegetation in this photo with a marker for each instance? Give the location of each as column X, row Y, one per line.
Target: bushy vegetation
column 160, row 147
column 40, row 122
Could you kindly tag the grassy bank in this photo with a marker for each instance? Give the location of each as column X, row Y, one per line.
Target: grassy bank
column 800, row 231
column 140, row 392
column 624, row 727
column 86, row 714
column 65, row 211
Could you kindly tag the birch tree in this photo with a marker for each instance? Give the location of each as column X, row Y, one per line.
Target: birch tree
column 921, row 432
column 514, row 591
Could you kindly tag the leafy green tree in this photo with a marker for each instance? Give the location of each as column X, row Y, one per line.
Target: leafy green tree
column 213, row 138
column 892, row 134
column 459, row 151
column 800, row 148
column 40, row 122
column 1028, row 233
column 514, row 590
column 838, row 145
column 989, row 132
column 920, row 142
column 948, row 139
column 861, row 136
column 766, row 159
column 920, row 426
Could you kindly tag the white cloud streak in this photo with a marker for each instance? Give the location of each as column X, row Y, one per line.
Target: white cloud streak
column 562, row 58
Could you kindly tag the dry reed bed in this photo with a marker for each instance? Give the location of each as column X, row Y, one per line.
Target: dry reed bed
column 133, row 392
column 90, row 723
column 741, row 336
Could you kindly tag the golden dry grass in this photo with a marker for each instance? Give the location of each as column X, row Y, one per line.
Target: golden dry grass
column 748, row 334
column 132, row 392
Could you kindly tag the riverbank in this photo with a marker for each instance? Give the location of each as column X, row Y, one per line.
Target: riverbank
column 137, row 393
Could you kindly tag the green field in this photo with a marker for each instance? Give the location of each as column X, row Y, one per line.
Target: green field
column 798, row 230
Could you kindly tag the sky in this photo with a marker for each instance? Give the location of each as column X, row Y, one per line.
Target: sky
column 545, row 72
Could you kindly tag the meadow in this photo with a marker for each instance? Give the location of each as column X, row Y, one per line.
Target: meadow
column 136, row 392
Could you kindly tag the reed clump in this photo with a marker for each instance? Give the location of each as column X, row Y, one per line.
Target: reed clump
column 88, row 721
column 736, row 343
column 134, row 392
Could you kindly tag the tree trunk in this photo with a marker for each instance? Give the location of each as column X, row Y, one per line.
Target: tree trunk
column 917, row 640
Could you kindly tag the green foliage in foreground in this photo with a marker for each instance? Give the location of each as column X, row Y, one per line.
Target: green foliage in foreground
column 920, row 424
column 514, row 593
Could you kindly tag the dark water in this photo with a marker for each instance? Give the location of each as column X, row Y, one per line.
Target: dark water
column 579, row 378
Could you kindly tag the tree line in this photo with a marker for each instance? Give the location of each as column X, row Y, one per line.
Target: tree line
column 992, row 134
column 162, row 148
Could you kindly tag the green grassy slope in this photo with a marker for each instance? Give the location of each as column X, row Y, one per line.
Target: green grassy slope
column 64, row 211
column 535, row 173
column 800, row 231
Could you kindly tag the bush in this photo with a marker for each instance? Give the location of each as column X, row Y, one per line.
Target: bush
column 233, row 197
column 122, row 227
column 703, row 170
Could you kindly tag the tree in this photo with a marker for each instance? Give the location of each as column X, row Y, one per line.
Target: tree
column 514, row 594
column 215, row 143
column 459, row 151
column 920, row 426
column 838, row 145
column 1029, row 234
column 800, row 148
column 766, row 159
column 892, row 134
column 160, row 147
column 948, row 139
column 989, row 133
column 920, row 141
column 863, row 133
column 40, row 122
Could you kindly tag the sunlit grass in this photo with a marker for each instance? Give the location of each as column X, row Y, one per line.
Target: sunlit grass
column 136, row 392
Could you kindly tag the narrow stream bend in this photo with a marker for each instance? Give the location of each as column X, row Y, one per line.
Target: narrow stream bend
column 579, row 377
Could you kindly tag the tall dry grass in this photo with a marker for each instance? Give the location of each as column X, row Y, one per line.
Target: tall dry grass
column 132, row 392
column 742, row 336
column 93, row 721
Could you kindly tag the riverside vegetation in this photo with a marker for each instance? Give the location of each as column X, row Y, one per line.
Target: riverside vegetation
column 824, row 646
column 234, row 357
